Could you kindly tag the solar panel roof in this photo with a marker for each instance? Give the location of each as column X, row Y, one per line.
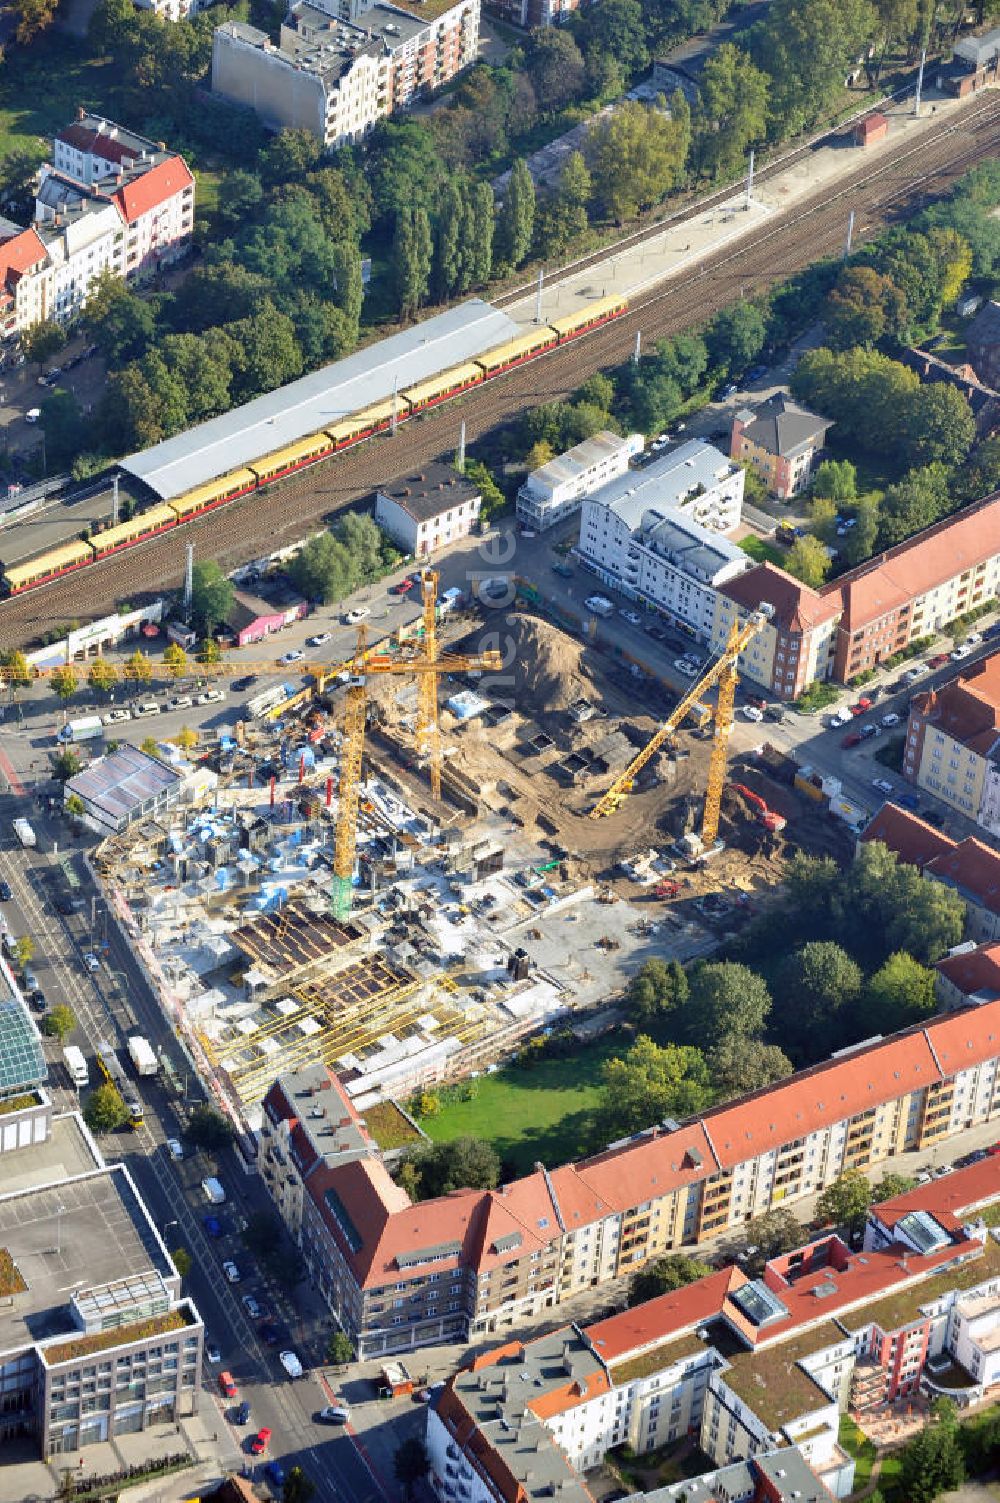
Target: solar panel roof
column 22, row 1063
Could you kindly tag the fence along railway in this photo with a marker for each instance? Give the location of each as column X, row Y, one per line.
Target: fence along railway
column 786, row 243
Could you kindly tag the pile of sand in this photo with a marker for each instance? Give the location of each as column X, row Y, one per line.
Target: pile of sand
column 546, row 667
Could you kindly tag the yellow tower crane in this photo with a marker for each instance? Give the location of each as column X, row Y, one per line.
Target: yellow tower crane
column 724, row 674
column 427, row 668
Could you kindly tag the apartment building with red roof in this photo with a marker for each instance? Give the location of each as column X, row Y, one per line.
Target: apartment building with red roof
column 25, row 279
column 864, row 617
column 399, row 1275
column 953, row 743
column 970, row 867
column 759, row 1371
column 968, row 976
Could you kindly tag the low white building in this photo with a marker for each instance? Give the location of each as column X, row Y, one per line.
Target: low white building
column 660, row 556
column 428, row 510
column 555, row 490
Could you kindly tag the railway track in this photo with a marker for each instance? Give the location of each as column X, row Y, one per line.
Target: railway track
column 782, row 245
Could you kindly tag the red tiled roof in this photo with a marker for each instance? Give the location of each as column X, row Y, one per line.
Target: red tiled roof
column 950, row 1196
column 152, row 188
column 99, row 143
column 817, row 1098
column 973, row 868
column 968, row 707
column 912, row 568
column 961, row 1039
column 650, row 1167
column 913, row 840
column 974, row 971
column 631, row 1331
column 471, row 1439
column 19, row 254
column 797, row 608
column 570, row 1395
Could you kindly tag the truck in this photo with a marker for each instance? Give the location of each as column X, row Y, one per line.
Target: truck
column 142, row 1055
column 214, row 1193
column 88, row 729
column 271, row 698
column 76, row 1065
column 25, row 834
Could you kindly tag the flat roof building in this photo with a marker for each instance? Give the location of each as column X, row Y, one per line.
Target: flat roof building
column 555, row 490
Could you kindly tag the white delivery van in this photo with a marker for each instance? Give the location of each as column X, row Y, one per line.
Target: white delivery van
column 213, row 1190
column 76, row 1065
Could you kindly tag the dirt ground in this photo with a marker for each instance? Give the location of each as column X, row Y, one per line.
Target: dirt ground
column 544, row 771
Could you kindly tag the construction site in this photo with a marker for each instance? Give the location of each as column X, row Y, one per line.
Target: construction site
column 432, row 857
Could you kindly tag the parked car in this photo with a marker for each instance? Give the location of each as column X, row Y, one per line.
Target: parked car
column 961, row 652
column 868, row 730
column 251, row 1306
column 851, row 739
column 334, row 1414
column 683, row 665
column 231, row 1271
column 908, row 801
column 260, row 1441
column 212, row 1225
column 632, row 617
column 212, row 1354
column 891, row 719
column 564, row 570
column 91, row 961
column 242, row 1415
column 181, row 702
column 149, row 708
column 175, row 1148
column 973, row 639
column 291, row 1364
column 228, row 1385
column 275, row 1474
column 354, row 618
column 32, row 415
column 5, row 892
column 113, row 716
column 402, row 588
column 320, row 639
column 751, row 712
column 939, row 660
column 882, row 785
column 246, row 682
column 292, row 657
column 211, row 697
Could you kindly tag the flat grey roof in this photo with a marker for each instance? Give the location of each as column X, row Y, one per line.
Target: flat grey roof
column 101, row 1229
column 690, row 546
column 668, row 481
column 122, row 782
column 576, row 461
column 315, row 401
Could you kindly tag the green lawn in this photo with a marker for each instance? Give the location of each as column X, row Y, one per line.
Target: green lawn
column 860, row 1447
column 763, row 553
column 540, row 1112
column 42, row 86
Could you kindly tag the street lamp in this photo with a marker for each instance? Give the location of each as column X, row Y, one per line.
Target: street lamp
column 60, row 1208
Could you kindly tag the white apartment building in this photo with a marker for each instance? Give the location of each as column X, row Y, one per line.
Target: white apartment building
column 659, row 555
column 429, row 510
column 26, row 277
column 82, row 242
column 555, row 490
column 335, row 75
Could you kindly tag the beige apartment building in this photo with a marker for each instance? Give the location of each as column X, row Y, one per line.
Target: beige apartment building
column 953, row 743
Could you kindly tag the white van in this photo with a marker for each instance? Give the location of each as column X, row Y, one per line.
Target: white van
column 213, row 1190
column 76, row 1065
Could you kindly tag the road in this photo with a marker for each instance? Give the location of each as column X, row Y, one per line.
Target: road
column 108, row 1005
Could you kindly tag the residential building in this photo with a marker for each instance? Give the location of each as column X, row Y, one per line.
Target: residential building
column 531, row 14
column 953, row 743
column 781, row 440
column 759, row 1370
column 171, row 10
column 984, row 402
column 796, row 646
column 26, row 276
column 982, row 344
column 398, row 1275
column 123, row 786
column 968, row 975
column 555, row 490
column 968, row 866
column 110, row 202
column 251, row 618
column 96, row 1338
column 335, row 75
column 428, row 510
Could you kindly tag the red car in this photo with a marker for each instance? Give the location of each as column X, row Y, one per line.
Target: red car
column 851, row 739
column 941, row 660
column 861, row 706
column 260, row 1441
column 403, row 588
column 228, row 1386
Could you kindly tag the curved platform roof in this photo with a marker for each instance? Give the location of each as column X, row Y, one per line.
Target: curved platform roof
column 318, row 400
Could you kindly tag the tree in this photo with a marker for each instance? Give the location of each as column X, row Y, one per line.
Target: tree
column 616, row 29
column 183, row 1261
column 137, row 668
column 64, row 681
column 211, row 596
column 493, row 499
column 735, row 337
column 657, row 993
column 461, row 1164
column 846, row 1201
column 266, row 352
column 891, row 1185
column 298, row 1487
column 836, row 479
column 411, row 259
column 323, row 569
column 651, row 1083
column 19, row 166
column 808, row 48
column 817, row 987
column 808, row 560
column 449, row 249
column 105, row 1111
column 150, row 746
column 339, row 1349
column 739, row 1065
column 770, row 1235
column 74, row 805
column 291, row 154
column 16, row 668
column 515, row 224
column 540, row 453
column 554, row 65
column 562, row 213
column 890, row 906
column 175, row 660
column 480, row 228
column 208, row 1129
column 917, row 501
column 209, row 651
column 932, row 1462
column 39, row 342
column 665, row 1275
column 186, row 738
column 900, row 992
column 636, row 155
column 862, row 308
column 66, row 764
column 59, row 1022
column 102, row 676
column 939, row 426
column 726, row 998
column 411, row 1463
column 122, row 324
column 240, row 196
column 731, row 114
column 24, row 949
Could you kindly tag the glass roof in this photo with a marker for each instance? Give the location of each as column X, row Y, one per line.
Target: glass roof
column 21, row 1060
